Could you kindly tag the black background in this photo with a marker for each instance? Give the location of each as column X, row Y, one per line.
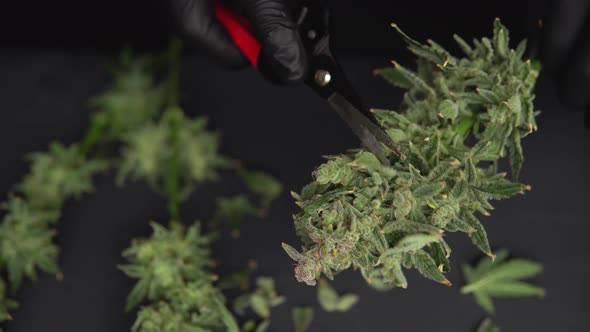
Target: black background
column 362, row 27
column 54, row 58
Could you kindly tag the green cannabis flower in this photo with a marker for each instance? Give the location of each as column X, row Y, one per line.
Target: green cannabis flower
column 26, row 230
column 26, row 242
column 150, row 149
column 133, row 101
column 139, row 129
column 172, row 268
column 196, row 307
column 60, row 173
column 173, row 153
column 133, row 98
column 170, row 257
column 378, row 219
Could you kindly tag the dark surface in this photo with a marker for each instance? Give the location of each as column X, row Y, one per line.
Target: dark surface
column 285, row 131
column 362, row 29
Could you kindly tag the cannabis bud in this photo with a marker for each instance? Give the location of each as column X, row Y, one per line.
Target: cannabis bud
column 458, row 118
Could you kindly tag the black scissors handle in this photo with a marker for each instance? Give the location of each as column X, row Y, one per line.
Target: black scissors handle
column 328, row 80
column 325, row 75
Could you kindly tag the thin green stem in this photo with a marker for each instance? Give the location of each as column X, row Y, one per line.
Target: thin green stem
column 173, row 175
column 92, row 136
column 173, row 116
column 173, row 79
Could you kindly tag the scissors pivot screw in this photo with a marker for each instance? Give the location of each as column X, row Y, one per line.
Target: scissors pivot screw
column 322, row 77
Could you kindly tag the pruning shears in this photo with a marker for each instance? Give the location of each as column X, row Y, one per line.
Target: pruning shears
column 325, row 75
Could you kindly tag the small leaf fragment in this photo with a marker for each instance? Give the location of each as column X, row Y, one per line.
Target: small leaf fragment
column 302, row 317
column 487, row 326
column 263, row 184
column 263, row 326
column 346, row 302
column 330, row 300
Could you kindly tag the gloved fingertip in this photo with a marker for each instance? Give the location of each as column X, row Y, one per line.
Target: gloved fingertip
column 283, row 59
column 197, row 21
column 220, row 46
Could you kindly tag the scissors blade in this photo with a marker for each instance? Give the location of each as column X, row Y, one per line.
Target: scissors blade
column 368, row 132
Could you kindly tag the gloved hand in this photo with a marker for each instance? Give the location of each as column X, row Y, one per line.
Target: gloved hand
column 282, row 58
column 565, row 52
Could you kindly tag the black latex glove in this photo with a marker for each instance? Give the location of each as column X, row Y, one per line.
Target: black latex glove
column 282, row 58
column 565, row 52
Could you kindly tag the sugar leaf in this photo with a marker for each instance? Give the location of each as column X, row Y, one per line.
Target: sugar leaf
column 424, row 263
column 410, row 243
column 394, row 76
column 501, row 279
column 448, row 109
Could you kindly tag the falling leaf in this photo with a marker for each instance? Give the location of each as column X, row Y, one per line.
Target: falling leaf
column 501, row 278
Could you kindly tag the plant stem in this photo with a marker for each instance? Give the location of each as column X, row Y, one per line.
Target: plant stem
column 173, row 176
column 173, row 116
column 174, row 72
column 93, row 134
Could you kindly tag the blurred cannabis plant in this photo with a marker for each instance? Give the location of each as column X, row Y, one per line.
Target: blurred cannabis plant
column 139, row 130
column 458, row 118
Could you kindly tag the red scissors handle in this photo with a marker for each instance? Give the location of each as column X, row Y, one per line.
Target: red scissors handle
column 240, row 31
